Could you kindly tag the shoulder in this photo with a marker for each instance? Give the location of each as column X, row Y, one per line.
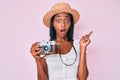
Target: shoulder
column 76, row 44
column 76, row 41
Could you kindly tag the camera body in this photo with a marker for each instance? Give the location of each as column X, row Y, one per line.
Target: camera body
column 48, row 47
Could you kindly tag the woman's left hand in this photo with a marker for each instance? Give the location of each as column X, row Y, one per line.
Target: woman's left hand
column 84, row 41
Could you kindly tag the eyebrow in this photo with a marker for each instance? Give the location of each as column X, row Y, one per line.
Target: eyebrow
column 67, row 16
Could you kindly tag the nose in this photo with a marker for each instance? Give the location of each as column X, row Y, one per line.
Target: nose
column 63, row 24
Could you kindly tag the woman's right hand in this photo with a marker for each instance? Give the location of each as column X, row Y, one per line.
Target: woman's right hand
column 35, row 50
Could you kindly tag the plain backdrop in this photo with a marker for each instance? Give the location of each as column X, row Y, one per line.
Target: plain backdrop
column 21, row 24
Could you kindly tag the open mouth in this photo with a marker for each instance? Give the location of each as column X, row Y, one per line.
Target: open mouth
column 63, row 31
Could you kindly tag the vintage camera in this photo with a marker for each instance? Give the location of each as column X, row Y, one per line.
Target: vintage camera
column 48, row 47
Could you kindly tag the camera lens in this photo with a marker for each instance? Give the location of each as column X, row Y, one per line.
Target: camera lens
column 45, row 48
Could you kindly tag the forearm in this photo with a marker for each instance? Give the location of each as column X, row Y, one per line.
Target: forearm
column 83, row 70
column 40, row 71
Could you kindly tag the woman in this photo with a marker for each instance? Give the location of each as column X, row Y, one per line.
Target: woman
column 69, row 60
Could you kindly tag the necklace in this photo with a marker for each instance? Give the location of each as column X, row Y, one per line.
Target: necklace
column 74, row 60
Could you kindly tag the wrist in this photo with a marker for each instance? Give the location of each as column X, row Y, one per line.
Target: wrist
column 37, row 59
column 82, row 50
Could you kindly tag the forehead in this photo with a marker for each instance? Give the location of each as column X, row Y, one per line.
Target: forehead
column 66, row 15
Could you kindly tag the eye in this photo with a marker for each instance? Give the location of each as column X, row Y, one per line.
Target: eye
column 58, row 20
column 67, row 20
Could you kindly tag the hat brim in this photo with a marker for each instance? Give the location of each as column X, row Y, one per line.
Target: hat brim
column 48, row 16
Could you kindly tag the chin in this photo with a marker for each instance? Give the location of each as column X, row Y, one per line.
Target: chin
column 63, row 36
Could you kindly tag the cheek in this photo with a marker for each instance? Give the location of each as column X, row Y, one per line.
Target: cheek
column 56, row 29
column 68, row 26
column 56, row 26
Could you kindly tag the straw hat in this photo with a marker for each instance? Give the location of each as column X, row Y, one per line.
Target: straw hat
column 58, row 8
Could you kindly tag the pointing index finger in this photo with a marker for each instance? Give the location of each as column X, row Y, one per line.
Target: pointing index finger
column 90, row 33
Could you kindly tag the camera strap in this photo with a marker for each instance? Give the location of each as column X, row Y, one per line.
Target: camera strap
column 74, row 60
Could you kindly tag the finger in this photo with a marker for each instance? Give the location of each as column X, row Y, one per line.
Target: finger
column 37, row 50
column 90, row 33
column 86, row 39
column 36, row 43
column 36, row 54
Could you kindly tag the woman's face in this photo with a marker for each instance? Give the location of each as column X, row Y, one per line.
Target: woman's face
column 61, row 24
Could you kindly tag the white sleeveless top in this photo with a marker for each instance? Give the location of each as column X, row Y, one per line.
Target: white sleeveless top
column 59, row 71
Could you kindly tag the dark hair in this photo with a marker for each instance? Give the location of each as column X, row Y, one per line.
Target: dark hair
column 70, row 31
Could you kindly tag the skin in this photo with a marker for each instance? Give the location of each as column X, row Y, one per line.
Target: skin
column 62, row 24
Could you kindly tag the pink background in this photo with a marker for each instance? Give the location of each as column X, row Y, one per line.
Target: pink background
column 21, row 25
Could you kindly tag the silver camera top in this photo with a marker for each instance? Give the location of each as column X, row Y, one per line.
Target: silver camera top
column 47, row 42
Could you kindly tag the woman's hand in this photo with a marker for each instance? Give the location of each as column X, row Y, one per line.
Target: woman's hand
column 36, row 50
column 84, row 41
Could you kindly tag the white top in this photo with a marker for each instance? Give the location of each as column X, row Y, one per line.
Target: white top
column 59, row 71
